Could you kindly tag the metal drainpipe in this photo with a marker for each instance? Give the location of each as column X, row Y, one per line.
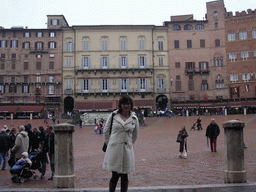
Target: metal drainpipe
column 74, row 61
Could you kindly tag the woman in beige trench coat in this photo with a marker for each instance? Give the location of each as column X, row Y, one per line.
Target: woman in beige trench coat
column 119, row 157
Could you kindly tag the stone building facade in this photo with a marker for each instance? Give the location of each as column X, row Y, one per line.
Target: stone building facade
column 100, row 63
column 241, row 59
column 31, row 72
column 197, row 56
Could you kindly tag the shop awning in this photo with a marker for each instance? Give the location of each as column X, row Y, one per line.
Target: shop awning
column 220, row 104
column 236, row 103
column 83, row 106
column 185, row 105
column 250, row 103
column 206, row 105
column 8, row 109
column 143, row 103
column 29, row 109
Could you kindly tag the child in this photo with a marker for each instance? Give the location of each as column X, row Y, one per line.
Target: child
column 21, row 163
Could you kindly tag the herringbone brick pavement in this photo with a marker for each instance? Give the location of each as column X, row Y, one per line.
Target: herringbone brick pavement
column 156, row 155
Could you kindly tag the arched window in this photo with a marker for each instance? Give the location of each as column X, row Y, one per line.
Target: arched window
column 188, row 27
column 199, row 27
column 216, row 25
column 176, row 28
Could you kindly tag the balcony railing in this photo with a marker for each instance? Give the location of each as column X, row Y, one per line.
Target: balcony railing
column 131, row 68
column 116, row 91
column 196, row 70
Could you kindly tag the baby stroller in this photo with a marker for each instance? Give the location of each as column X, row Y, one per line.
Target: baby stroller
column 22, row 170
column 193, row 127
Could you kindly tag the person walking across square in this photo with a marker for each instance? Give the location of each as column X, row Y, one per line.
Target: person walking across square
column 213, row 132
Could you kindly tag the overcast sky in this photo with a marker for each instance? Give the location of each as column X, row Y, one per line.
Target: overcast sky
column 33, row 13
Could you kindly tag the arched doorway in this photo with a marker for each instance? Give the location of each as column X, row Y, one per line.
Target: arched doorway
column 161, row 102
column 68, row 104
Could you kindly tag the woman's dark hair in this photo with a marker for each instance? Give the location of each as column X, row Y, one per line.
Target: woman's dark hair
column 124, row 100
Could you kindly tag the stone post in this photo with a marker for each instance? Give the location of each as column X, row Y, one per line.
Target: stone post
column 234, row 152
column 64, row 159
column 187, row 113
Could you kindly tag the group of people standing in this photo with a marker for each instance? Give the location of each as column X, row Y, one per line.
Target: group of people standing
column 212, row 132
column 27, row 140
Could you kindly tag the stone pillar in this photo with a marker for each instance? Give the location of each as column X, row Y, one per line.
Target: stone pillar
column 226, row 112
column 31, row 116
column 64, row 158
column 234, row 152
column 245, row 111
column 11, row 116
column 187, row 113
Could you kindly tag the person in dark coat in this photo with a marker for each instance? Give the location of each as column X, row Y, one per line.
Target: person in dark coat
column 213, row 132
column 43, row 148
column 199, row 125
column 34, row 140
column 50, row 143
column 4, row 148
column 183, row 143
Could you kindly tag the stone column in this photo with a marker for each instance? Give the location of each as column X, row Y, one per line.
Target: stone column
column 245, row 111
column 226, row 112
column 234, row 152
column 187, row 113
column 64, row 159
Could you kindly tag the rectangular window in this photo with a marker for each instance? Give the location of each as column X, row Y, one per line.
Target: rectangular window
column 2, row 56
column 55, row 22
column 86, row 45
column 254, row 34
column 51, row 79
column 123, row 62
column 160, row 45
column 25, row 79
column 14, row 56
column 142, row 84
column 142, row 45
column 38, row 65
column 246, row 77
column 104, row 45
column 243, row 35
column 25, row 89
column 142, row 62
column 190, row 85
column 105, row 85
column 104, row 62
column 26, row 34
column 26, row 45
column 51, row 55
column 14, row 43
column 231, row 36
column 176, row 44
column 161, row 84
column 51, row 89
column 39, row 34
column 244, row 55
column 177, row 64
column 25, row 99
column 39, row 46
column 202, row 43
column 1, row 88
column 13, row 80
column 232, row 56
column 86, row 62
column 86, row 84
column 69, row 46
column 217, row 43
column 2, row 66
column 123, row 45
column 233, row 78
column 189, row 43
column 3, row 43
column 51, row 65
column 178, row 85
column 204, row 85
column 52, row 45
column 124, row 85
column 52, row 34
column 68, row 62
column 12, row 89
column 219, row 84
column 203, row 65
column 69, row 84
column 161, row 61
column 13, row 65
